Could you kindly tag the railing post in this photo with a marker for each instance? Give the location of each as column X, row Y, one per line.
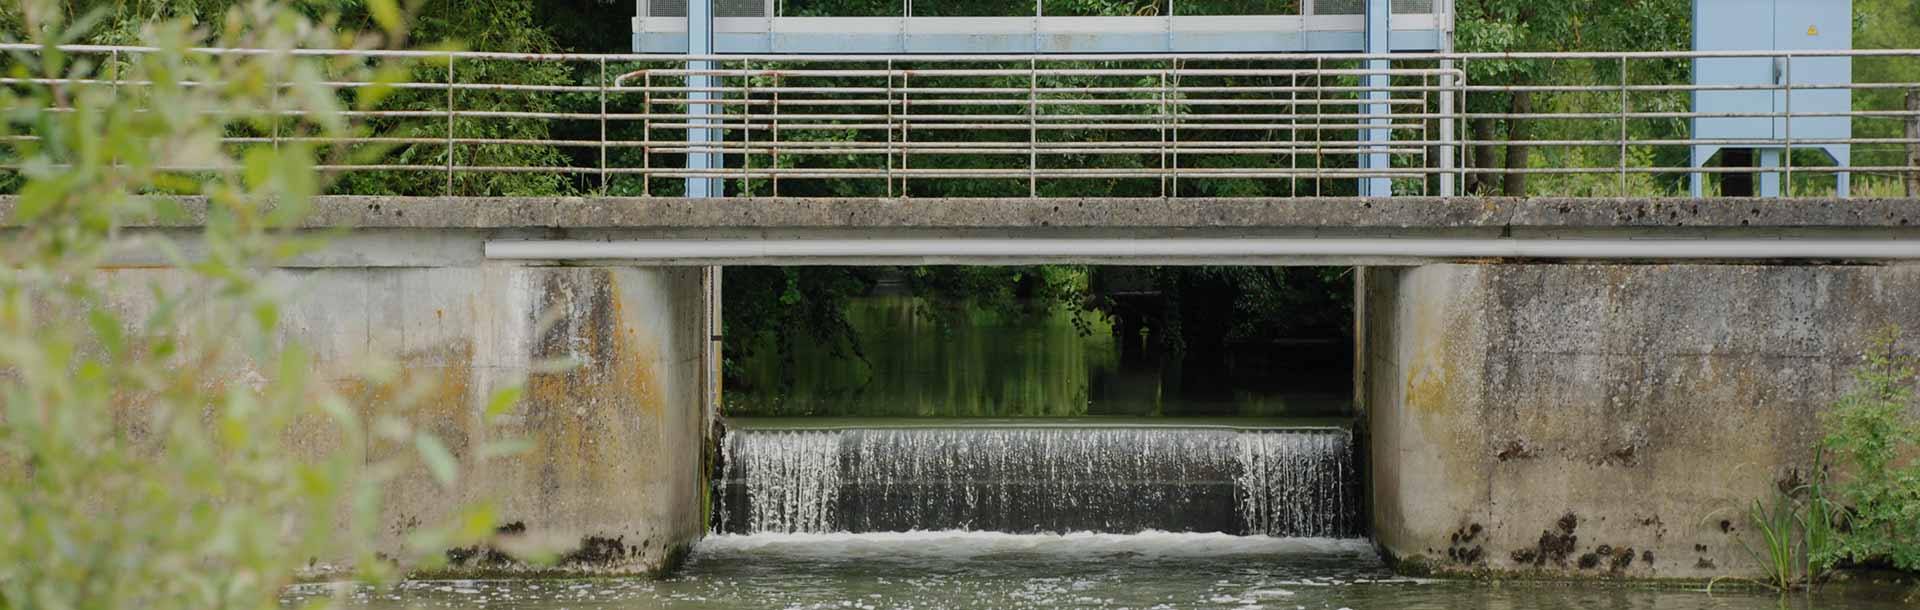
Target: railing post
column 774, row 164
column 1293, row 134
column 603, row 126
column 1426, row 132
column 1175, row 117
column 646, row 133
column 1464, row 131
column 450, row 124
column 1166, row 116
column 1623, row 127
column 906, row 128
column 746, row 127
column 888, row 153
column 1448, row 187
column 1033, row 126
column 1319, row 141
column 1912, row 174
column 1786, row 186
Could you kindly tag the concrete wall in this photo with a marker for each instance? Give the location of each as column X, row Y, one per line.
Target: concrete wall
column 616, row 465
column 1581, row 420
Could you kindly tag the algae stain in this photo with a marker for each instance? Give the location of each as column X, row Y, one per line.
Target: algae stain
column 588, row 412
column 1430, row 370
column 1427, row 388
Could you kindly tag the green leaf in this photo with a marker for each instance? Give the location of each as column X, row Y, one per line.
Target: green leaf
column 439, row 461
column 387, row 14
column 502, row 402
column 106, row 328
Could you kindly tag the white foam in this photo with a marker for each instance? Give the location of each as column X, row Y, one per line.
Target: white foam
column 967, row 544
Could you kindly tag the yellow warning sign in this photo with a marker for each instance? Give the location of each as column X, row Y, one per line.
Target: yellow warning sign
column 1813, row 30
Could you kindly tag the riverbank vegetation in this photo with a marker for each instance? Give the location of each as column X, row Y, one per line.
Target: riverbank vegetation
column 1872, row 516
column 142, row 466
column 1858, row 505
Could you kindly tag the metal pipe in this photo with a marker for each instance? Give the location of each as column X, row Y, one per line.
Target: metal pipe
column 1174, row 249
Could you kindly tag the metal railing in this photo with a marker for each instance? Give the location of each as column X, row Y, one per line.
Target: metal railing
column 1600, row 124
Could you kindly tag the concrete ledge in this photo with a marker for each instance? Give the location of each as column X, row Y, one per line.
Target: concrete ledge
column 1418, row 214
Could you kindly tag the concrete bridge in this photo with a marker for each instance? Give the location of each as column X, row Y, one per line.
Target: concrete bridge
column 1591, row 385
column 1530, row 374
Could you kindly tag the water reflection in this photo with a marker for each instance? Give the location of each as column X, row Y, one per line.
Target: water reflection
column 1000, row 364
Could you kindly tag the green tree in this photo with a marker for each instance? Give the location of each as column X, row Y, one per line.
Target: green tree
column 150, row 456
column 1498, row 26
column 1885, row 24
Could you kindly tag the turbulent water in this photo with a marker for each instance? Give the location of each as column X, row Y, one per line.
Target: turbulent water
column 1035, row 479
column 930, row 498
column 994, row 571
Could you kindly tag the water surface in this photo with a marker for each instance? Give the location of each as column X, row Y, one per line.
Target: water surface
column 975, row 570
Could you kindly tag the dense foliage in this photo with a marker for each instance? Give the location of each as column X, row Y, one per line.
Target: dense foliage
column 178, row 451
column 1874, row 434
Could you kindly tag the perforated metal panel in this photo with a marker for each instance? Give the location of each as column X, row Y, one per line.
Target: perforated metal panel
column 1412, row 7
column 666, row 8
column 1339, row 7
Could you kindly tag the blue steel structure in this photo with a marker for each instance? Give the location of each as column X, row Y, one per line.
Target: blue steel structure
column 702, row 28
column 700, row 42
column 1778, row 25
column 756, row 27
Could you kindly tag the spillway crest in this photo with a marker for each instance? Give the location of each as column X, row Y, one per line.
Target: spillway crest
column 1280, row 482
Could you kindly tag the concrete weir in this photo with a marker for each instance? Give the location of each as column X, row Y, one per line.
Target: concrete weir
column 1522, row 413
column 1603, row 420
column 613, row 471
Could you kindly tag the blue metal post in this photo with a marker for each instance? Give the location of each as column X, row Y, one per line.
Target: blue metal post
column 1769, row 172
column 699, row 135
column 1379, row 34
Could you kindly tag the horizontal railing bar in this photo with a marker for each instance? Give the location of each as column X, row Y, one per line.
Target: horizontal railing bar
column 1021, row 114
column 1225, row 57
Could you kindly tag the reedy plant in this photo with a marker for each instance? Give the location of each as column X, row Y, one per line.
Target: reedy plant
column 185, row 452
column 1798, row 526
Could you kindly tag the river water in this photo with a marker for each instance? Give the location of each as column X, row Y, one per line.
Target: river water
column 976, row 570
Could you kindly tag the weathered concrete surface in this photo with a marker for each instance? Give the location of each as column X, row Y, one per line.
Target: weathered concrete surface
column 1432, row 216
column 1602, row 420
column 617, row 440
column 433, row 231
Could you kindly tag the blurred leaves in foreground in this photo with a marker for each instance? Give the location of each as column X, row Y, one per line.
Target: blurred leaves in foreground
column 178, row 449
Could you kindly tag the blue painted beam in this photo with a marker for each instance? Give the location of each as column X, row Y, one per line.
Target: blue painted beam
column 853, row 43
column 700, row 41
column 1379, row 40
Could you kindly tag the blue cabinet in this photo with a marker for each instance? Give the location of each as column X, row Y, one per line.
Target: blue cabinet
column 1772, row 25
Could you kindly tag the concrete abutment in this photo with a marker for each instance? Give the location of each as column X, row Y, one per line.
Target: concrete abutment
column 610, row 359
column 1602, row 420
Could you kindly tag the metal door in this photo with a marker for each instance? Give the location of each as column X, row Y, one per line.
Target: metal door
column 1813, row 25
column 1734, row 25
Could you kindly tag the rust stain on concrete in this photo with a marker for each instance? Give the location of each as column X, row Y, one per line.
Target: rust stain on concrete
column 582, row 412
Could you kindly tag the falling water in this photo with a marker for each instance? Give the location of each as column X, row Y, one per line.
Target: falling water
column 1292, row 483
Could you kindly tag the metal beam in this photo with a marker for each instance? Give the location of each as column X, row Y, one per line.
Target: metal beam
column 1379, row 42
column 1042, row 35
column 700, row 42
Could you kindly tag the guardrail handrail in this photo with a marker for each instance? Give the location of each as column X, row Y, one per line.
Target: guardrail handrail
column 1152, row 124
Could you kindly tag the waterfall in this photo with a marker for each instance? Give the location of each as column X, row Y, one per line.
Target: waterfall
column 1032, row 479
